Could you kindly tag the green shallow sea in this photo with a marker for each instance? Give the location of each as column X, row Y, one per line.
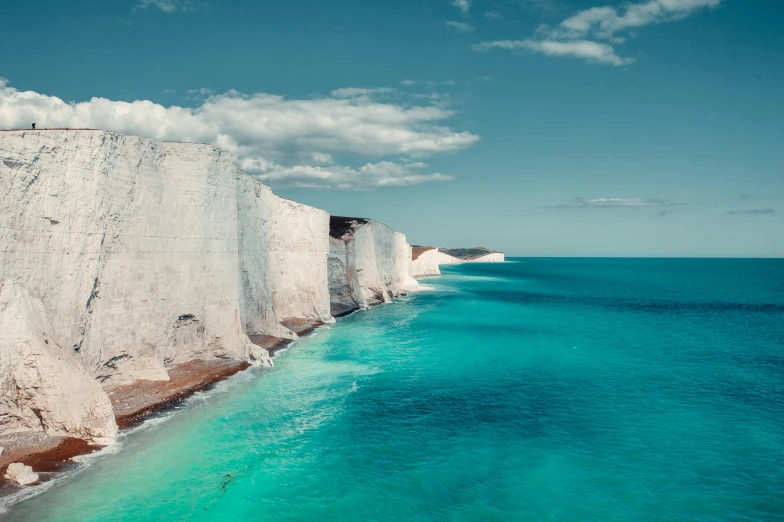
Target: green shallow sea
column 538, row 389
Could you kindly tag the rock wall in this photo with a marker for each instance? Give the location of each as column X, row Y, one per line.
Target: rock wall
column 425, row 262
column 299, row 248
column 283, row 260
column 369, row 263
column 138, row 255
column 43, row 387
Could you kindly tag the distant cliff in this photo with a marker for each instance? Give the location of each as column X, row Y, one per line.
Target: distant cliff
column 426, row 260
column 473, row 255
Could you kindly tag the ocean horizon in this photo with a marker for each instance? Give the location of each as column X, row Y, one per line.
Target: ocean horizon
column 570, row 389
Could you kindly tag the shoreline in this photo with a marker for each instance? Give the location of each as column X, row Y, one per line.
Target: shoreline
column 133, row 404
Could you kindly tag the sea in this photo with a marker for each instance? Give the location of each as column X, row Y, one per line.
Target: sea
column 535, row 389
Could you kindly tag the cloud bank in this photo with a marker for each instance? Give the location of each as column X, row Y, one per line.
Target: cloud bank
column 289, row 142
column 592, row 34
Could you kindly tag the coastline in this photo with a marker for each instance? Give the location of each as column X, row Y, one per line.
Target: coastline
column 133, row 404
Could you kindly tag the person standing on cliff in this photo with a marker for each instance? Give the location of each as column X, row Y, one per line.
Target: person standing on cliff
column 33, row 126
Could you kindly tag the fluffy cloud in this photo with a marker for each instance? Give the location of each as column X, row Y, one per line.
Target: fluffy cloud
column 617, row 203
column 604, row 22
column 751, row 212
column 576, row 36
column 286, row 141
column 463, row 5
column 460, row 26
column 366, row 177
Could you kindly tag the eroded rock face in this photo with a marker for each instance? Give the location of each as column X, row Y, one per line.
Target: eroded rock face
column 44, row 388
column 369, row 263
column 21, row 474
column 138, row 255
column 132, row 242
column 283, row 260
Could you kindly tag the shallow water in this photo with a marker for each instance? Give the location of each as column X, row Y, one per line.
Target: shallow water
column 538, row 389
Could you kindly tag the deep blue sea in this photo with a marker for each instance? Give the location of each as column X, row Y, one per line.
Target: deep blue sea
column 538, row 389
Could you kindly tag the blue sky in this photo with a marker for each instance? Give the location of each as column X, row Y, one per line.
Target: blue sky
column 538, row 127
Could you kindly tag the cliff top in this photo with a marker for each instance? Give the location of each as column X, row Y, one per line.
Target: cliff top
column 50, row 129
column 417, row 250
column 339, row 226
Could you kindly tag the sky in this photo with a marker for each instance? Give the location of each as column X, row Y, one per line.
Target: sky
column 535, row 127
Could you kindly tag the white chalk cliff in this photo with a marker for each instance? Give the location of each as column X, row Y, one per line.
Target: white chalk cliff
column 428, row 259
column 425, row 262
column 446, row 259
column 123, row 256
column 453, row 256
column 495, row 257
column 369, row 263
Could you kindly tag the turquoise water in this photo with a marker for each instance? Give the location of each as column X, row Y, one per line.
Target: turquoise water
column 538, row 389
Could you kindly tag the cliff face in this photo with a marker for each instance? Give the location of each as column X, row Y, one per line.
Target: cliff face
column 446, row 259
column 369, row 263
column 495, row 257
column 283, row 260
column 138, row 255
column 425, row 262
column 43, row 387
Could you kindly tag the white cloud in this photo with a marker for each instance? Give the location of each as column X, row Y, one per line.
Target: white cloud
column 591, row 51
column 170, row 6
column 576, row 35
column 460, row 26
column 366, row 177
column 604, row 22
column 275, row 138
column 198, row 94
column 408, row 83
column 463, row 5
column 617, row 203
